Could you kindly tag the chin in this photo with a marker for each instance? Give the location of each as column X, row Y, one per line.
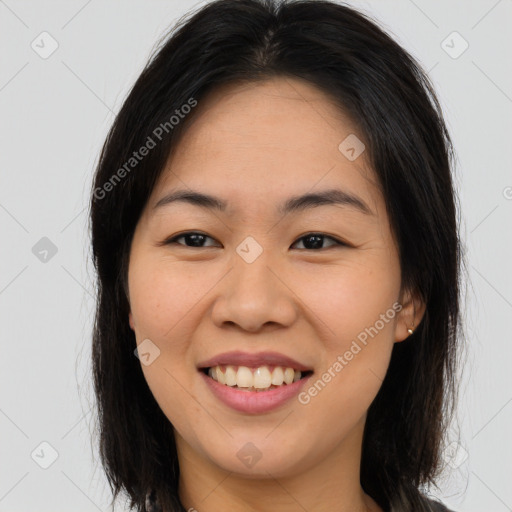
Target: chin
column 256, row 456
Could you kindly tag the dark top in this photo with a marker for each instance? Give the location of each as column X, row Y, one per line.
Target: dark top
column 438, row 507
column 152, row 504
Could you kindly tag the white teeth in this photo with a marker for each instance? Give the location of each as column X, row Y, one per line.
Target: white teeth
column 289, row 374
column 244, row 378
column 258, row 379
column 262, row 378
column 220, row 376
column 230, row 376
column 277, row 376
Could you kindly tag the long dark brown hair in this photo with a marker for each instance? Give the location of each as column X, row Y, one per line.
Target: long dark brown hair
column 369, row 76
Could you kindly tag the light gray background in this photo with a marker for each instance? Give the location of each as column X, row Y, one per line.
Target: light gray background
column 55, row 113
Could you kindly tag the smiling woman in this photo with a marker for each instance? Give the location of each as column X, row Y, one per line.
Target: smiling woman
column 278, row 279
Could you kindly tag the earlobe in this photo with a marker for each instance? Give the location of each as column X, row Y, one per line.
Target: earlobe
column 130, row 321
column 409, row 317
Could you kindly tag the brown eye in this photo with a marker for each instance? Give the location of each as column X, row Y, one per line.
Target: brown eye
column 192, row 239
column 197, row 240
column 315, row 241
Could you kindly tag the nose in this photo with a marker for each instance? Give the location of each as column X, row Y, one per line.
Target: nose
column 255, row 296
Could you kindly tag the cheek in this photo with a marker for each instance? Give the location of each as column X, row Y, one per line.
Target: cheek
column 165, row 302
column 356, row 305
column 162, row 294
column 349, row 297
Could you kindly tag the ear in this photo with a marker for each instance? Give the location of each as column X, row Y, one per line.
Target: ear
column 410, row 316
column 130, row 321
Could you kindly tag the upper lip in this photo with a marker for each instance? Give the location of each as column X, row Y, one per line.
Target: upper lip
column 239, row 358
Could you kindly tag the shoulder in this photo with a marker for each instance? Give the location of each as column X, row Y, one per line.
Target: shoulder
column 437, row 506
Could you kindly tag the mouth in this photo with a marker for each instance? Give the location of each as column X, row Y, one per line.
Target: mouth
column 256, row 378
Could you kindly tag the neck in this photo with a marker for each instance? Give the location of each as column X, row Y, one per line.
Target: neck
column 325, row 485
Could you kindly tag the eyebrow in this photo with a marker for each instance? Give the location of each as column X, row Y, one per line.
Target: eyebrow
column 293, row 204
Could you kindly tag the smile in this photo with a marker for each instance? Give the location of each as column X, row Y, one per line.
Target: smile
column 261, row 378
column 247, row 398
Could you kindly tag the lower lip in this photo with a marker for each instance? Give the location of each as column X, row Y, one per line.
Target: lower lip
column 254, row 402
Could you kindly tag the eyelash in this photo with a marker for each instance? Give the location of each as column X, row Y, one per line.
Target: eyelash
column 173, row 240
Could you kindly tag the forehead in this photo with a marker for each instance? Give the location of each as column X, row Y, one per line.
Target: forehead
column 267, row 141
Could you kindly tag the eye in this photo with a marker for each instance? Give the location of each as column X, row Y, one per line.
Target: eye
column 196, row 239
column 314, row 241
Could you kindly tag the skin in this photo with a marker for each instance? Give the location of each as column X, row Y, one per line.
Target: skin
column 255, row 145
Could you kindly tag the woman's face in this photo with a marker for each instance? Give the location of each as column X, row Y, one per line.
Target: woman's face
column 264, row 274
